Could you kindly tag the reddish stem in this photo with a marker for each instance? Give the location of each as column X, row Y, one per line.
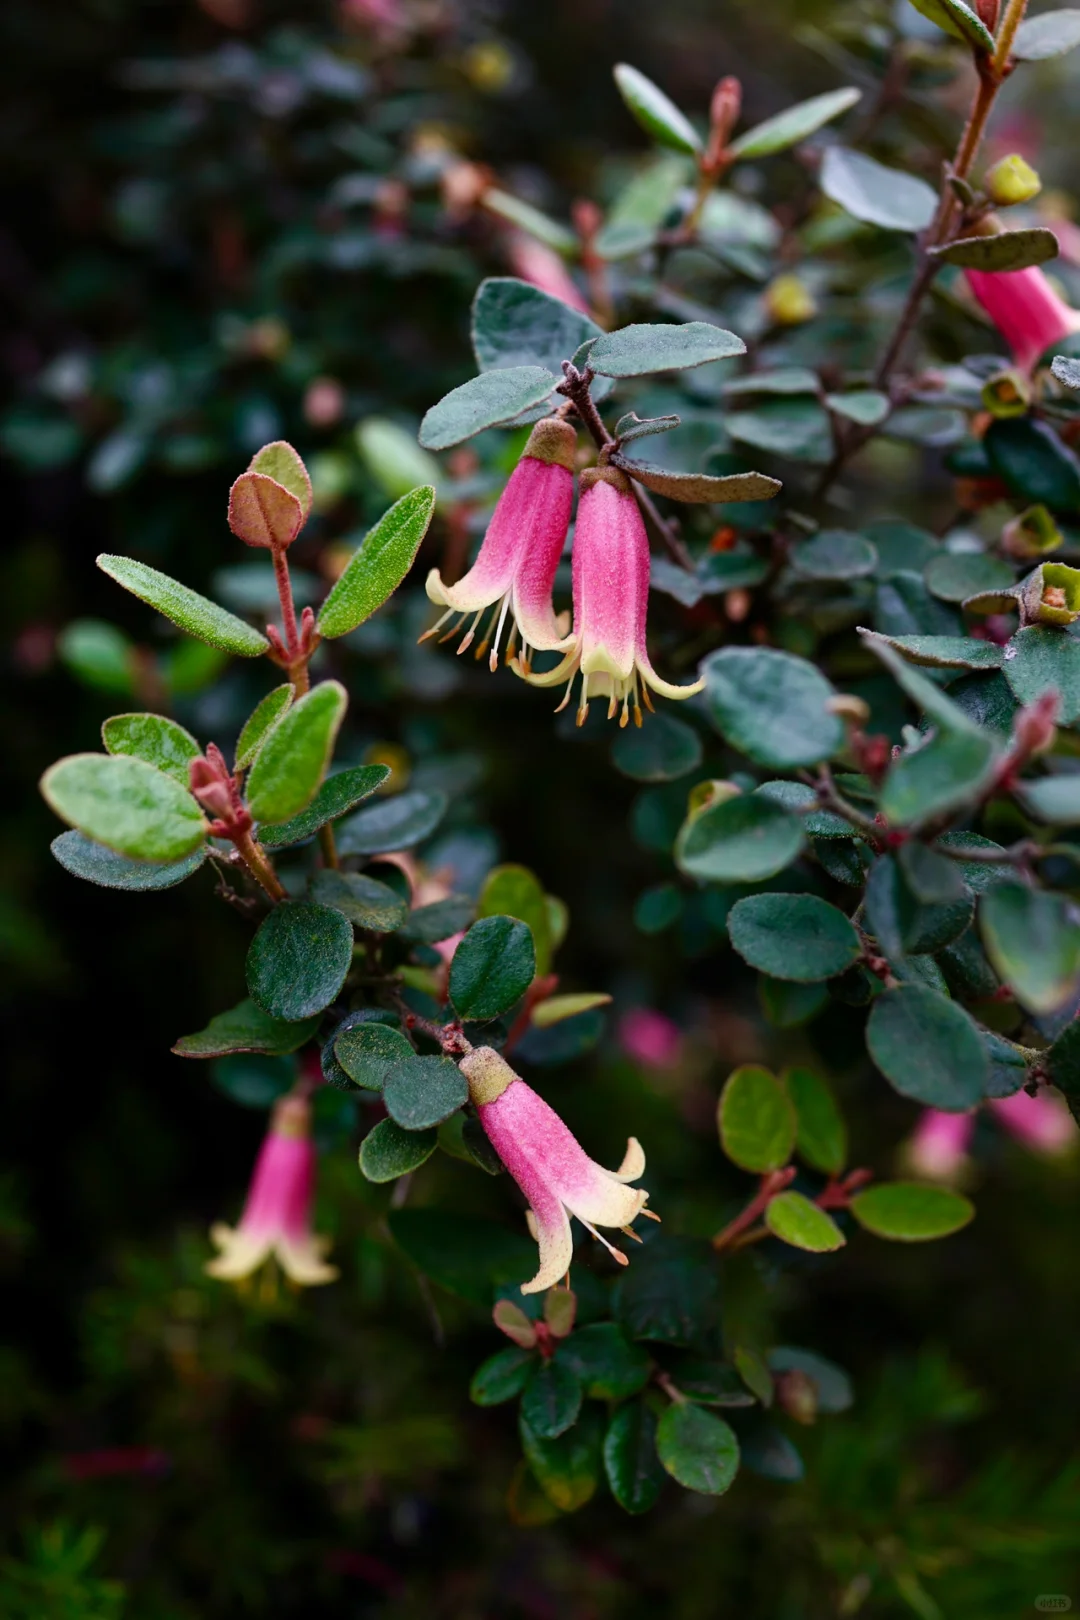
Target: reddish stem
column 772, row 1183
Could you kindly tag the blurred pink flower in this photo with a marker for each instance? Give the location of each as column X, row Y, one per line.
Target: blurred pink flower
column 650, row 1038
column 542, row 266
column 1026, row 310
column 1043, row 1123
column 938, row 1148
column 276, row 1221
column 550, row 1166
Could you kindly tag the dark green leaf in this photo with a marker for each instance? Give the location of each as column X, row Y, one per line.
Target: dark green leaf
column 126, row 805
column 671, row 1293
column 1008, row 251
column 387, row 1151
column 793, row 936
column 771, row 706
column 338, row 795
column 794, row 124
column 551, row 1400
column 766, row 1450
column 423, row 1091
column 364, row 900
column 955, row 575
column 796, row 428
column 150, row 737
column 698, row 1449
column 607, row 1364
column 246, row 1028
column 834, row 554
column 655, row 112
column 798, row 796
column 1033, row 940
column 662, row 751
column 490, row 400
column 194, row 613
column 501, row 1376
column 1041, row 659
column 260, row 723
column 299, row 958
column 821, row 1138
column 468, row 1255
column 380, row 564
column 1030, row 458
column 635, row 351
column 710, row 1383
column 632, row 426
column 757, row 1120
column 911, row 1212
column 1063, row 1065
column 531, row 220
column 865, row 406
column 397, row 822
column 95, row 863
column 928, row 1048
column 515, row 324
column 368, row 1051
column 948, row 652
column 948, row 771
column 740, row 840
column 633, row 1469
column 794, row 1219
column 440, row 920
column 831, row 1383
column 569, row 1467
column 292, row 761
column 869, row 191
column 492, row 968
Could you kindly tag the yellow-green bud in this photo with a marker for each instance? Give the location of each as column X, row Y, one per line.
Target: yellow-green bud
column 1011, row 180
column 789, row 301
column 1007, row 393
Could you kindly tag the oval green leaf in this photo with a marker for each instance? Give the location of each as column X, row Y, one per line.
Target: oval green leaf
column 262, row 720
column 95, row 863
column 364, row 900
column 794, row 1219
column 388, row 1152
column 299, row 959
column 501, row 1376
column 698, row 1449
column 1041, row 659
column 771, row 706
column 635, row 351
column 194, row 613
column 928, row 1048
column 867, row 190
column 379, row 565
column 633, row 1469
column 285, row 465
column 955, row 18
column 756, row 1119
column 126, row 805
column 551, row 1400
column 397, row 822
column 1008, row 251
column 790, row 127
column 338, row 795
column 513, row 891
column 420, row 1092
column 793, row 936
column 150, row 737
column 655, row 112
column 821, row 1138
column 1033, row 941
column 1051, row 34
column 910, row 1211
column 658, row 752
column 698, row 489
column 490, row 400
column 246, row 1028
column 741, row 840
column 293, row 760
column 367, row 1053
column 492, row 968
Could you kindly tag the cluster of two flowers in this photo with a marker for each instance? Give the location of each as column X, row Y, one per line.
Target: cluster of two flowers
column 545, row 1159
column 514, row 576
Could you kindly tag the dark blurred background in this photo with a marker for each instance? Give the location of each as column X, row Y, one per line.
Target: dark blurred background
column 209, row 209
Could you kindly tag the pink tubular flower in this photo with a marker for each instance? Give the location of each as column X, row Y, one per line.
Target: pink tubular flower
column 1025, row 309
column 1042, row 1123
column 611, row 597
column 551, row 1168
column 541, row 266
column 938, row 1149
column 515, row 570
column 277, row 1214
column 650, row 1038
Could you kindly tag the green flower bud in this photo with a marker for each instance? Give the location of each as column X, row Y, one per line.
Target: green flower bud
column 1012, row 181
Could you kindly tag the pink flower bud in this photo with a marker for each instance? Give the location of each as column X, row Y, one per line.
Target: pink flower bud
column 1042, row 1123
column 515, row 570
column 939, row 1147
column 611, row 595
column 1025, row 309
column 549, row 1165
column 276, row 1221
column 543, row 268
column 650, row 1039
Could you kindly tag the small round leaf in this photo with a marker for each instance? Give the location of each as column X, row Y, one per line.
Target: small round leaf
column 299, row 959
column 697, row 1449
column 492, row 968
column 911, row 1212
column 793, row 936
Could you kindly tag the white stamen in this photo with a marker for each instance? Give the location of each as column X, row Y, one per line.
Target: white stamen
column 493, row 661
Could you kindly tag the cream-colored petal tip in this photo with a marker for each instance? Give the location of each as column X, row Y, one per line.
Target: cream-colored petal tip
column 436, row 590
column 668, row 689
column 633, row 1164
